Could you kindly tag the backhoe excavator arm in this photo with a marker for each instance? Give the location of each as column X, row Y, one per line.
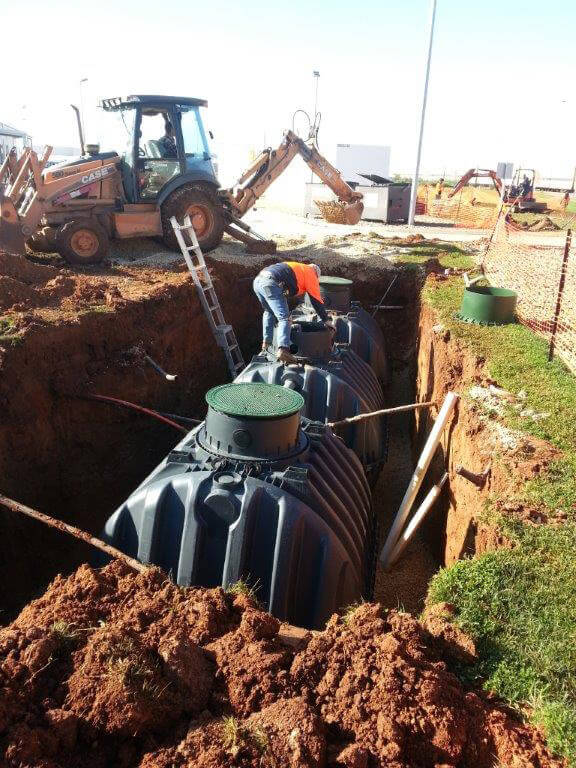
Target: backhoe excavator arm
column 477, row 173
column 270, row 163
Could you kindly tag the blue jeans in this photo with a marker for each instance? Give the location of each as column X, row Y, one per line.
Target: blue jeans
column 273, row 301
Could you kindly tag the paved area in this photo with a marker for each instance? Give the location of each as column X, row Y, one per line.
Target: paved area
column 268, row 221
column 291, row 232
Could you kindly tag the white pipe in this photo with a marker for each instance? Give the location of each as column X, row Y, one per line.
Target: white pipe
column 416, row 521
column 418, row 476
column 414, row 192
column 468, row 281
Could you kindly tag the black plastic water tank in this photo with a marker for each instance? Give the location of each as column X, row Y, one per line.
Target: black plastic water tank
column 335, row 384
column 354, row 325
column 256, row 493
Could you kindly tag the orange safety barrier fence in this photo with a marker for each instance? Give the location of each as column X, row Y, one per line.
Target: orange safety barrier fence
column 471, row 208
column 478, row 208
column 541, row 267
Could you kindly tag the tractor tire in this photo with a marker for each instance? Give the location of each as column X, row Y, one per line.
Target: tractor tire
column 205, row 211
column 82, row 242
column 43, row 241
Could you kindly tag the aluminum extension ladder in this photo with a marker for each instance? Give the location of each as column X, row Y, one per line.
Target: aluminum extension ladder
column 223, row 332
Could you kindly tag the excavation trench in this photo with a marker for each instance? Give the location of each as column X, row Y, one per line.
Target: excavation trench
column 109, row 667
column 77, row 459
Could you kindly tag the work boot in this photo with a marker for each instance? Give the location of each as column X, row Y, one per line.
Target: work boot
column 283, row 355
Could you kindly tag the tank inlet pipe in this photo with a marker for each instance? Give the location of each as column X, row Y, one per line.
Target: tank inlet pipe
column 469, row 281
column 416, row 521
column 386, row 292
column 15, row 506
column 416, row 481
column 383, row 412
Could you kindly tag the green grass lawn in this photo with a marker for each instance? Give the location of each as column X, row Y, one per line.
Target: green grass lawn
column 519, row 604
column 450, row 255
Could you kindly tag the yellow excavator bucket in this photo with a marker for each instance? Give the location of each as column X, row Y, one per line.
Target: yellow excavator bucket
column 11, row 237
column 353, row 212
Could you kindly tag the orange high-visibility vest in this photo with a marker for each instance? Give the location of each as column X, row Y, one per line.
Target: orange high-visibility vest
column 306, row 279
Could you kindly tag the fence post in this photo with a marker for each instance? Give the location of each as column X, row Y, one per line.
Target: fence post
column 458, row 210
column 500, row 212
column 560, row 294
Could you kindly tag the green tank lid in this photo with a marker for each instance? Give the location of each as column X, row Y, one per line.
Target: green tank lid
column 334, row 281
column 254, row 400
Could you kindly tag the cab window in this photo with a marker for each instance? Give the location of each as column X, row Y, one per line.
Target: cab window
column 157, row 152
column 192, row 133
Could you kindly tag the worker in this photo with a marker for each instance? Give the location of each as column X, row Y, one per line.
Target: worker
column 565, row 200
column 439, row 189
column 272, row 285
column 167, row 142
column 525, row 187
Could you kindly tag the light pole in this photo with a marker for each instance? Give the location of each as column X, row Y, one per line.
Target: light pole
column 316, row 76
column 414, row 193
column 82, row 81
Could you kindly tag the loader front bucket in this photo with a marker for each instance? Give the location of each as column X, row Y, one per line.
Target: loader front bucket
column 12, row 239
column 353, row 212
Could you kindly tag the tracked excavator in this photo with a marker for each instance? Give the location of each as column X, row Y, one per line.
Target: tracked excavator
column 76, row 208
column 520, row 193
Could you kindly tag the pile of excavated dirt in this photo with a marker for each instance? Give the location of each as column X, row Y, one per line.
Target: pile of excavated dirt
column 26, row 285
column 109, row 668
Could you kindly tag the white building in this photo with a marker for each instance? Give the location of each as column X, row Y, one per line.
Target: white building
column 12, row 137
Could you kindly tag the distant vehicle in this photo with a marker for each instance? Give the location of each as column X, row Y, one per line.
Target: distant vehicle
column 520, row 193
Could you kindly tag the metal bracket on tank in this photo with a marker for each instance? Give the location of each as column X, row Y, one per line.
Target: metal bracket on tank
column 294, row 478
column 180, row 457
column 315, row 429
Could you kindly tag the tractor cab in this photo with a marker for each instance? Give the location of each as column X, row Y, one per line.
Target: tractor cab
column 521, row 192
column 523, row 184
column 166, row 145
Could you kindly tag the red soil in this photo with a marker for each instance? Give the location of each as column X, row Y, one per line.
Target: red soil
column 108, row 668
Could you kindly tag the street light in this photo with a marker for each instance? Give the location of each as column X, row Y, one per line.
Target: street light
column 313, row 129
column 414, row 193
column 316, row 76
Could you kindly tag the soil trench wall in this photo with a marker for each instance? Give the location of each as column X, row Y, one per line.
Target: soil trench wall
column 77, row 459
column 455, row 528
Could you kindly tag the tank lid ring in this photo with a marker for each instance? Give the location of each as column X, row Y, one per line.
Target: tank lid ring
column 333, row 280
column 254, row 400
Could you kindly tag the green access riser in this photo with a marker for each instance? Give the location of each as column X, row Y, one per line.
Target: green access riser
column 488, row 305
column 257, row 493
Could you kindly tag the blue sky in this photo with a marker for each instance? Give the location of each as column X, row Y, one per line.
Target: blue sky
column 501, row 84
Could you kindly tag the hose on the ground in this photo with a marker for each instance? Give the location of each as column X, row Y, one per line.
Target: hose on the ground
column 135, row 407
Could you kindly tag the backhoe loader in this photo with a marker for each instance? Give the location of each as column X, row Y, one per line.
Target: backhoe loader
column 76, row 208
